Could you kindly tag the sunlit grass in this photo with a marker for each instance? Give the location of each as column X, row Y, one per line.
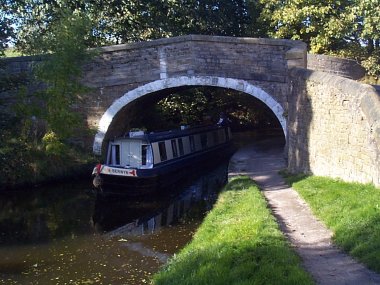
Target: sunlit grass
column 239, row 242
column 351, row 210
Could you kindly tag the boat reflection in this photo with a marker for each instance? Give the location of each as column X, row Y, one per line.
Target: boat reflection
column 129, row 217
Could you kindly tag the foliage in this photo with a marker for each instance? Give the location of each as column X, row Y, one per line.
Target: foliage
column 351, row 210
column 347, row 27
column 45, row 120
column 6, row 29
column 372, row 64
column 123, row 21
column 196, row 105
column 12, row 52
column 36, row 19
column 65, row 46
column 25, row 163
column 329, row 27
column 210, row 17
column 53, row 145
column 238, row 243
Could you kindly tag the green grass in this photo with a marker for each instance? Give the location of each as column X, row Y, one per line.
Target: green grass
column 350, row 210
column 239, row 242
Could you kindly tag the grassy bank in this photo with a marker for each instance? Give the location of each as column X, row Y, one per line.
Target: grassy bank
column 239, row 242
column 350, row 210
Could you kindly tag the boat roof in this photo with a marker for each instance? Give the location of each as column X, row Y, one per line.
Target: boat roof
column 164, row 135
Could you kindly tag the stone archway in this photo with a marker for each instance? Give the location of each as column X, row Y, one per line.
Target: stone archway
column 229, row 83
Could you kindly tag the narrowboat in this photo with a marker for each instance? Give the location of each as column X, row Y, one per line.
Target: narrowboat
column 141, row 162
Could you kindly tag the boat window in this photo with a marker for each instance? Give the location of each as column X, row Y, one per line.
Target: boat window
column 146, row 155
column 174, row 148
column 115, row 154
column 204, row 140
column 192, row 143
column 144, row 149
column 162, row 148
column 180, row 146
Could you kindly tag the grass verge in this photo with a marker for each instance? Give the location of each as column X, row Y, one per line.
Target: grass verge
column 239, row 242
column 350, row 210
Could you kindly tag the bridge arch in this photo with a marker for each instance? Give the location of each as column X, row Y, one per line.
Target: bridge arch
column 166, row 83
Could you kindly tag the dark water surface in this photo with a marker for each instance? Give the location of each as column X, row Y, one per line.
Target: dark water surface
column 63, row 235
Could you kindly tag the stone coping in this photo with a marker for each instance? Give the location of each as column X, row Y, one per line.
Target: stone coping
column 179, row 39
column 204, row 38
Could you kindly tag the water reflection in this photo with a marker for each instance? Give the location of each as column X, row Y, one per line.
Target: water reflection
column 138, row 217
column 61, row 235
column 31, row 216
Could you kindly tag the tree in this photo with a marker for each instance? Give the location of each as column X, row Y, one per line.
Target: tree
column 6, row 29
column 121, row 21
column 65, row 51
column 368, row 28
column 210, row 17
column 349, row 28
column 35, row 19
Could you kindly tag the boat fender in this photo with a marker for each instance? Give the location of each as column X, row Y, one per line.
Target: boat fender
column 97, row 182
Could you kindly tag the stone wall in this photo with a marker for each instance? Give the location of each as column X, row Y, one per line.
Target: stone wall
column 340, row 66
column 333, row 127
column 13, row 73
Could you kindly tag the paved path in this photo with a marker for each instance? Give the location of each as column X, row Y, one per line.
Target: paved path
column 310, row 238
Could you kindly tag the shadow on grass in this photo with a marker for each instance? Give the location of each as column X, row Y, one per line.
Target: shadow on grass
column 236, row 263
column 239, row 183
column 292, row 178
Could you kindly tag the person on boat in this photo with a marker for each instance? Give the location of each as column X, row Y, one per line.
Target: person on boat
column 223, row 120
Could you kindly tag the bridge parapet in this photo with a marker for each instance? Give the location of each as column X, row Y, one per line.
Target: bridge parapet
column 243, row 58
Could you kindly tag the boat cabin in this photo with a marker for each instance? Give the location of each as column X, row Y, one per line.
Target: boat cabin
column 145, row 151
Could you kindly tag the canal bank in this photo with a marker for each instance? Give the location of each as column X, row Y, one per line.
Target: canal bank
column 238, row 242
column 40, row 170
column 308, row 236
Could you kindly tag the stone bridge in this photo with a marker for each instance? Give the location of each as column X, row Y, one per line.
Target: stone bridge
column 124, row 73
column 331, row 124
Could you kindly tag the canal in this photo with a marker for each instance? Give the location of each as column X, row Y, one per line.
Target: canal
column 65, row 235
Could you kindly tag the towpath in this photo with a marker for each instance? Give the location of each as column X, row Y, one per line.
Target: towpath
column 310, row 238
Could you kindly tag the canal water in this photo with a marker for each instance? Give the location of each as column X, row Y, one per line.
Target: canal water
column 65, row 235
